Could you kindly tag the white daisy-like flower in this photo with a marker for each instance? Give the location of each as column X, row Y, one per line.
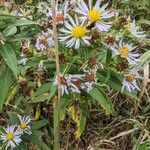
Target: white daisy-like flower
column 23, row 13
column 129, row 82
column 90, row 80
column 135, row 30
column 74, row 33
column 64, row 80
column 11, row 138
column 125, row 51
column 61, row 13
column 44, row 40
column 24, row 125
column 95, row 14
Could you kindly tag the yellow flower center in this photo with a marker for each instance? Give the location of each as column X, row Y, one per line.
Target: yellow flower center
column 25, row 14
column 10, row 136
column 78, row 31
column 94, row 15
column 130, row 78
column 23, row 125
column 124, row 51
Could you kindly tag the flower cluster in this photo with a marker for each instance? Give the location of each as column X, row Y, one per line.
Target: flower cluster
column 78, row 82
column 77, row 30
column 77, row 21
column 44, row 40
column 11, row 137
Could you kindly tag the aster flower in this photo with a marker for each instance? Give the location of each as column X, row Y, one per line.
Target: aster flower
column 95, row 14
column 44, row 40
column 24, row 125
column 125, row 51
column 130, row 81
column 134, row 30
column 25, row 43
column 11, row 137
column 64, row 80
column 23, row 13
column 75, row 82
column 61, row 13
column 93, row 64
column 90, row 80
column 75, row 33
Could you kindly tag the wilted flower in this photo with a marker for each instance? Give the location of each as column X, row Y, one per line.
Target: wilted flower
column 75, row 82
column 11, row 137
column 130, row 81
column 75, row 33
column 24, row 125
column 64, row 80
column 25, row 43
column 90, row 79
column 133, row 29
column 111, row 40
column 125, row 51
column 95, row 14
column 93, row 64
column 44, row 40
column 61, row 13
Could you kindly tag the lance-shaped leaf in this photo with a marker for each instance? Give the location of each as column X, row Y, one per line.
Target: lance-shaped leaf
column 6, row 80
column 6, row 17
column 99, row 97
column 9, row 56
column 24, row 23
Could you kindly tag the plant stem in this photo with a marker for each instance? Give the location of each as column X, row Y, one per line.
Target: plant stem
column 57, row 105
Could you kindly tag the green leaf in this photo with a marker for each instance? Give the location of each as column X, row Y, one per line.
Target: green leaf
column 36, row 139
column 53, row 89
column 143, row 60
column 39, row 124
column 144, row 21
column 114, row 81
column 98, row 96
column 22, row 146
column 42, row 89
column 108, row 57
column 10, row 58
column 10, row 30
column 12, row 92
column 6, row 80
column 6, row 17
column 24, row 23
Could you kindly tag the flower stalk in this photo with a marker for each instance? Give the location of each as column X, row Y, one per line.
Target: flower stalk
column 57, row 104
